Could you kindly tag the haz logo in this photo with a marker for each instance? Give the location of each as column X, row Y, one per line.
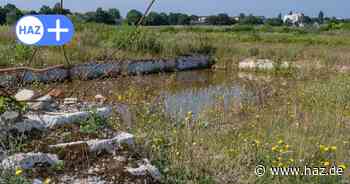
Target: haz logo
column 45, row 30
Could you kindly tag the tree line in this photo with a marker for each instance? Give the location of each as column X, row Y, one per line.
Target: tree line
column 9, row 14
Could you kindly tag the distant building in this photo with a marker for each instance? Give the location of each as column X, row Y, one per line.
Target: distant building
column 203, row 20
column 295, row 19
column 236, row 18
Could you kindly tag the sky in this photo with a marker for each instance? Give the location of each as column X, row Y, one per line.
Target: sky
column 269, row 8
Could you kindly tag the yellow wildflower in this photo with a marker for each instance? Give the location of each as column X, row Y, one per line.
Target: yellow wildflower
column 334, row 148
column 326, row 163
column 19, row 172
column 280, row 141
column 274, row 148
column 47, row 181
column 324, row 148
column 343, row 166
column 281, row 150
column 257, row 142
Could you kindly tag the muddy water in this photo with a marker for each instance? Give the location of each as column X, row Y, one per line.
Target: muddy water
column 180, row 93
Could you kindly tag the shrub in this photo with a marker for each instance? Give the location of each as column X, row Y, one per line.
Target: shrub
column 92, row 125
column 130, row 38
column 7, row 103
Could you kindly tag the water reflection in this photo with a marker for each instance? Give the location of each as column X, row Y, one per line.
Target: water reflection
column 194, row 91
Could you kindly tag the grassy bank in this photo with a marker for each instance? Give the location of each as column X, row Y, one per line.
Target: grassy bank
column 297, row 124
column 227, row 44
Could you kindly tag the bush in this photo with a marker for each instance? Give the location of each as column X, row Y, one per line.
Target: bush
column 242, row 28
column 7, row 103
column 130, row 38
column 92, row 125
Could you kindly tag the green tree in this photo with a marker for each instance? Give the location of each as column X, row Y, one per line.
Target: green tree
column 183, row 19
column 57, row 10
column 114, row 14
column 155, row 19
column 101, row 15
column 321, row 17
column 32, row 12
column 12, row 14
column 307, row 20
column 275, row 21
column 133, row 16
column 10, row 7
column 241, row 16
column 179, row 19
column 173, row 18
column 279, row 16
column 164, row 18
column 46, row 10
column 220, row 19
column 251, row 20
column 2, row 16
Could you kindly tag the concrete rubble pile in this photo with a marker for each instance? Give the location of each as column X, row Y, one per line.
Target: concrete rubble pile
column 45, row 113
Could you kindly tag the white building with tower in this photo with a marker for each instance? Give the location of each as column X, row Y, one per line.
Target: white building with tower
column 295, row 19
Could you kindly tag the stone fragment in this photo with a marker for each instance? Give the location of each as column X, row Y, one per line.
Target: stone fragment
column 26, row 126
column 262, row 64
column 144, row 169
column 78, row 180
column 97, row 146
column 25, row 95
column 45, row 103
column 29, row 161
column 51, row 120
column 37, row 181
column 70, row 101
column 10, row 116
column 110, row 145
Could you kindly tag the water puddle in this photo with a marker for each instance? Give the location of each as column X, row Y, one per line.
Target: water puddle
column 183, row 92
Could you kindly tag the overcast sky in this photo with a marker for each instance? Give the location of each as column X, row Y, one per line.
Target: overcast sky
column 338, row 8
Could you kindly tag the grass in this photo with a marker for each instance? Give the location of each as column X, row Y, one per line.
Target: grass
column 309, row 128
column 227, row 44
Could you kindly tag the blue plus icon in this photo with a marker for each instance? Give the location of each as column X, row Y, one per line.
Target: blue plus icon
column 58, row 30
column 45, row 30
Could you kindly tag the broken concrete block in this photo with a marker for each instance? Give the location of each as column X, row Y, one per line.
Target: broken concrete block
column 29, row 161
column 45, row 103
column 97, row 146
column 51, row 120
column 145, row 169
column 25, row 95
column 70, row 101
column 110, row 145
column 10, row 116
